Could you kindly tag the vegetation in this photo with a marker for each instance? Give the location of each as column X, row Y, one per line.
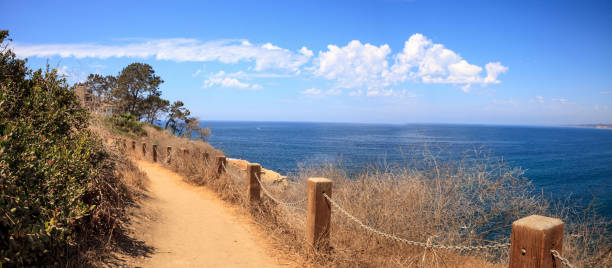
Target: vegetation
column 127, row 124
column 135, row 94
column 464, row 203
column 61, row 193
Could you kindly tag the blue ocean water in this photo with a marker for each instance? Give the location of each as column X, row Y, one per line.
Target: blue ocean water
column 559, row 161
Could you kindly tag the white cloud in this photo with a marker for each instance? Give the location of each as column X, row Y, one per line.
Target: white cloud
column 561, row 100
column 605, row 92
column 311, row 91
column 367, row 69
column 196, row 73
column 366, row 66
column 423, row 60
column 381, row 92
column 354, row 65
column 223, row 79
column 494, row 69
column 72, row 75
column 355, row 93
column 317, row 92
column 600, row 108
column 540, row 99
column 265, row 57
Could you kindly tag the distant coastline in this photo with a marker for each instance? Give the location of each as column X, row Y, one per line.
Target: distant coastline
column 600, row 126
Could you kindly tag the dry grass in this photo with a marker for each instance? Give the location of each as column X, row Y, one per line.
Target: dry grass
column 124, row 186
column 470, row 202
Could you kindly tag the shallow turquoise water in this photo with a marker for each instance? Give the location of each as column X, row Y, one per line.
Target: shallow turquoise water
column 560, row 161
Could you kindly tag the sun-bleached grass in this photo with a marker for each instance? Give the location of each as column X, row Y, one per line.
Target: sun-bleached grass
column 465, row 203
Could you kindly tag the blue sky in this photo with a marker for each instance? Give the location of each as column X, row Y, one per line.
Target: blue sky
column 421, row 61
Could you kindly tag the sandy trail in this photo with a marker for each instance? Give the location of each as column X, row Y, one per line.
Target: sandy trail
column 188, row 226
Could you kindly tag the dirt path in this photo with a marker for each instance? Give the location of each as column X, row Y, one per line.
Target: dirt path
column 188, row 226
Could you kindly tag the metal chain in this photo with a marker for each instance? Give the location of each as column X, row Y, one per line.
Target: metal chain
column 287, row 204
column 563, row 260
column 410, row 242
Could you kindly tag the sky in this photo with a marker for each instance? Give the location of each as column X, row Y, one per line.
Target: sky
column 372, row 61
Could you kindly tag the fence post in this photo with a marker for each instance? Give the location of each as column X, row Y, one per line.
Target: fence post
column 221, row 161
column 318, row 212
column 144, row 149
column 253, row 183
column 133, row 145
column 154, row 152
column 532, row 239
column 168, row 151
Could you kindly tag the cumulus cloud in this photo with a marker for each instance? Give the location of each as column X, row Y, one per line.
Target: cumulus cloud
column 367, row 66
column 226, row 80
column 354, row 65
column 266, row 56
column 367, row 69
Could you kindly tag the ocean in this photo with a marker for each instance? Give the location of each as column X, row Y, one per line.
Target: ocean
column 560, row 161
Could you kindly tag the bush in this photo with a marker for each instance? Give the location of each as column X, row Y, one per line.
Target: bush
column 128, row 123
column 55, row 176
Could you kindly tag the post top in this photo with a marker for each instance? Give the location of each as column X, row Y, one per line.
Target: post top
column 538, row 222
column 319, row 180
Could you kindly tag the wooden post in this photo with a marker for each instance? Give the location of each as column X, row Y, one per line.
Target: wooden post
column 168, row 151
column 253, row 183
column 221, row 161
column 133, row 145
column 154, row 152
column 532, row 239
column 144, row 149
column 318, row 213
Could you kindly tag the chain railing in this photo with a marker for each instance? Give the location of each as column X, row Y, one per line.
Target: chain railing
column 563, row 260
column 293, row 205
column 314, row 227
column 278, row 201
column 410, row 242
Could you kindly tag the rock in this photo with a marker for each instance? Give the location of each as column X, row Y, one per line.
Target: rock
column 268, row 176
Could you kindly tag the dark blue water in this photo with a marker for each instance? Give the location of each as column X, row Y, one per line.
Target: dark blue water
column 559, row 161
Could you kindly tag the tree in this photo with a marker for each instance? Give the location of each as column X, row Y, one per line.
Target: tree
column 135, row 84
column 153, row 107
column 177, row 114
column 101, row 86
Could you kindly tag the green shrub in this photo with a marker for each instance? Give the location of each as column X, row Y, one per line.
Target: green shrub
column 128, row 123
column 55, row 176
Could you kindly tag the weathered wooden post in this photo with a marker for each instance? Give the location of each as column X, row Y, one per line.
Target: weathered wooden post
column 532, row 239
column 221, row 161
column 168, row 151
column 318, row 213
column 144, row 149
column 154, row 152
column 133, row 145
column 252, row 182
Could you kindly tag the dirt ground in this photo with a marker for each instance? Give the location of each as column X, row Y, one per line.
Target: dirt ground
column 181, row 225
